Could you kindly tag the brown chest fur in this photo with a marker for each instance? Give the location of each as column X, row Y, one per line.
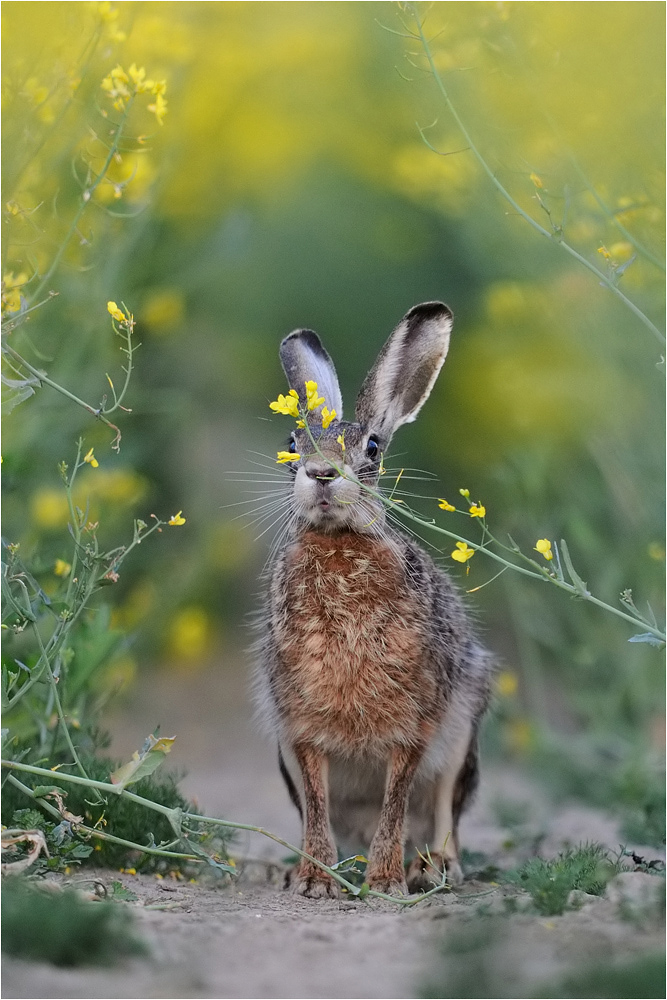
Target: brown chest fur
column 354, row 675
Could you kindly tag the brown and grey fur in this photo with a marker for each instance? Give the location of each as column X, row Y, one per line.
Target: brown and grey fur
column 369, row 672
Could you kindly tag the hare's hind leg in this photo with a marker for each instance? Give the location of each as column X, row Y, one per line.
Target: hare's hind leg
column 307, row 879
column 453, row 787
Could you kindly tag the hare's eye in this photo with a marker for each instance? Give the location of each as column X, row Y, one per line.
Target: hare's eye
column 292, row 446
column 373, row 448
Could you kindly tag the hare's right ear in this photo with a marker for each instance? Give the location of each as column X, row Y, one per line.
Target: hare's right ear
column 400, row 381
column 304, row 359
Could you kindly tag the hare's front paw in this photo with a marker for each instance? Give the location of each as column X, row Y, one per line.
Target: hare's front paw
column 423, row 875
column 309, row 881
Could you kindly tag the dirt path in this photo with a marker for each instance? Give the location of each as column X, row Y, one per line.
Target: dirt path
column 253, row 940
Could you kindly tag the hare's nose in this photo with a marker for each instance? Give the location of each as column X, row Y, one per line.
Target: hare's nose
column 318, row 470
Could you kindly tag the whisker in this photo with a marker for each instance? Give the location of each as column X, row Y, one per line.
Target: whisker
column 238, row 503
column 264, row 510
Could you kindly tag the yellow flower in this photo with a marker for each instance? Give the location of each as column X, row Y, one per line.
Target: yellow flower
column 445, row 506
column 462, row 552
column 621, row 251
column 465, row 493
column 327, row 417
column 656, row 551
column 288, row 404
column 106, row 11
column 544, row 547
column 62, row 568
column 341, row 441
column 605, row 253
column 287, row 456
column 537, row 181
column 311, row 395
column 159, row 108
column 301, row 423
column 49, row 508
column 114, row 311
column 190, row 635
column 90, row 458
column 507, row 683
column 11, row 296
column 177, row 519
column 477, row 510
column 136, row 75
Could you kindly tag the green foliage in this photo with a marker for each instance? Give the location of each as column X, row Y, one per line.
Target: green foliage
column 608, row 773
column 115, row 814
column 65, row 848
column 549, row 883
column 642, row 978
column 472, row 966
column 63, row 928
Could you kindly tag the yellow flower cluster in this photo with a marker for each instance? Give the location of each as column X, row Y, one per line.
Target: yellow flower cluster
column 474, row 509
column 313, row 400
column 11, row 294
column 121, row 86
column 288, row 404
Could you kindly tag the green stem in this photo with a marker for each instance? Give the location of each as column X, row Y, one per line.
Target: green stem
column 101, row 834
column 603, row 278
column 195, row 817
column 59, row 708
column 613, row 218
column 43, row 377
column 538, row 574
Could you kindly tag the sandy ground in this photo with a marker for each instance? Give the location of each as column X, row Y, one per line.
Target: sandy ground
column 251, row 939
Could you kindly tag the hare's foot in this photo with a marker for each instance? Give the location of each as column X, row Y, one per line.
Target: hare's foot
column 387, row 878
column 310, row 881
column 390, row 886
column 423, row 874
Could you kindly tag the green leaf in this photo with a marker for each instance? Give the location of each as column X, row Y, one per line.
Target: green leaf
column 365, row 889
column 143, row 762
column 118, row 891
column 348, row 865
column 649, row 638
column 82, row 851
column 41, row 791
column 579, row 584
column 194, row 848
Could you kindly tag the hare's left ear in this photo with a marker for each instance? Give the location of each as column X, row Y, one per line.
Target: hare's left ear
column 400, row 381
column 303, row 359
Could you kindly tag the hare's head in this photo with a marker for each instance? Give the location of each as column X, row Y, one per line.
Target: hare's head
column 392, row 394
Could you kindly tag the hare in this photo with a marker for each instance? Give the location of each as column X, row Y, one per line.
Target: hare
column 369, row 671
